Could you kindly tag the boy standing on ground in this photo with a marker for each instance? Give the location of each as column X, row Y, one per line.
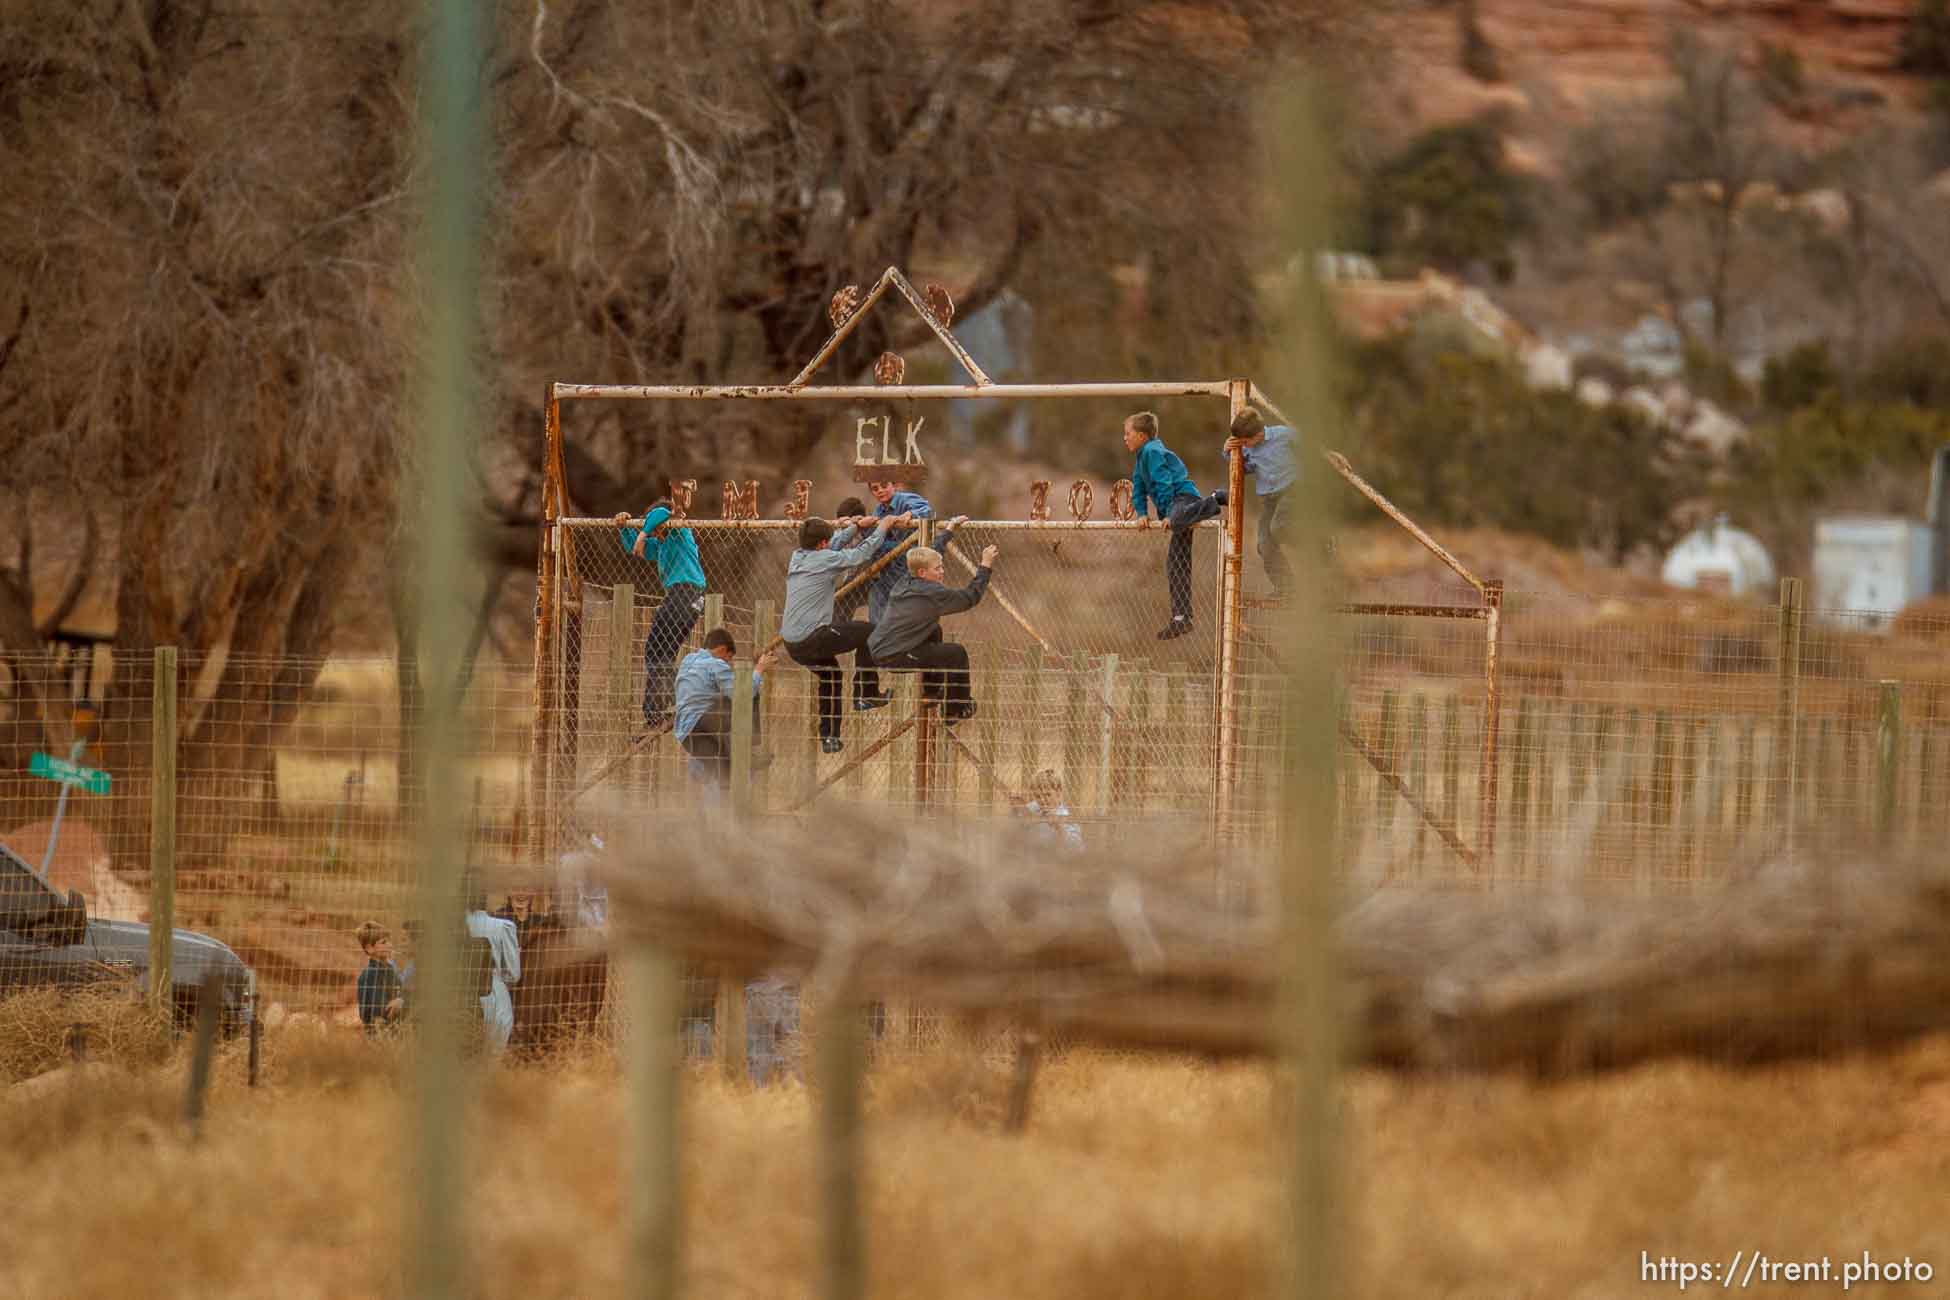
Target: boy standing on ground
column 382, row 996
column 908, row 635
column 812, row 636
column 1269, row 455
column 1159, row 480
column 674, row 548
column 704, row 682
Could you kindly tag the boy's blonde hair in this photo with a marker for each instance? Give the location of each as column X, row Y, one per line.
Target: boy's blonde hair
column 370, row 933
column 1046, row 786
column 922, row 557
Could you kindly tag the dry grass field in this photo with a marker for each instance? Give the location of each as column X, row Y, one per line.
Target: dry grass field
column 1138, row 1177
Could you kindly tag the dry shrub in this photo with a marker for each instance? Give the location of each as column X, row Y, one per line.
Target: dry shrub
column 1137, row 1177
column 313, row 1059
column 36, row 1027
column 123, row 1110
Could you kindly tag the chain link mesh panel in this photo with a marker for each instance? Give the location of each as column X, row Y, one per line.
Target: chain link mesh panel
column 1642, row 744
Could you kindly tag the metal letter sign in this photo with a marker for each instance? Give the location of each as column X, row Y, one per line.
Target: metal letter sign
column 881, row 456
column 63, row 772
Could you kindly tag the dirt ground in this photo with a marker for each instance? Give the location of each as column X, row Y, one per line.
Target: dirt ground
column 1138, row 1177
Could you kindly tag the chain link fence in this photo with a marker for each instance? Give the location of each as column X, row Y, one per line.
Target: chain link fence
column 1643, row 744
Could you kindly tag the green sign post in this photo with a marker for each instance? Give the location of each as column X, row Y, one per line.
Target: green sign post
column 69, row 773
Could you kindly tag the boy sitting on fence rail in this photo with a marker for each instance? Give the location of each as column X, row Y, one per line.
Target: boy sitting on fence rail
column 675, row 551
column 1159, row 481
column 908, row 634
column 812, row 636
column 704, row 682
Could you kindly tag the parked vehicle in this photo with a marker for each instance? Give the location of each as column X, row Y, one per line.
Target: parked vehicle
column 47, row 940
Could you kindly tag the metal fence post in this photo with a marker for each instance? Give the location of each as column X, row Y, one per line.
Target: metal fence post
column 1889, row 741
column 162, row 826
column 1785, row 777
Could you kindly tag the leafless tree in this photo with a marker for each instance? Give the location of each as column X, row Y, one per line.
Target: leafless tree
column 687, row 185
column 200, row 230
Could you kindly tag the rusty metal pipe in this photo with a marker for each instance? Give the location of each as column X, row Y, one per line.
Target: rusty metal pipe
column 1387, row 507
column 878, row 392
column 990, row 525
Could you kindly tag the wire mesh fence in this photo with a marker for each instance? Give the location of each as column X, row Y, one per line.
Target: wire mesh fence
column 1649, row 745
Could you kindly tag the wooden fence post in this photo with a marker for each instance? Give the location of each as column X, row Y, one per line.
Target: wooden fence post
column 1076, row 728
column 1452, row 728
column 623, row 707
column 1106, row 732
column 839, row 1066
column 654, row 989
column 1028, row 724
column 1889, row 740
column 991, row 704
column 1418, row 774
column 765, row 626
column 1386, row 743
column 742, row 716
column 1787, row 709
column 1517, row 844
column 713, row 615
column 162, row 827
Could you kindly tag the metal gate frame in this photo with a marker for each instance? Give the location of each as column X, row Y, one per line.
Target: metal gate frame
column 848, row 310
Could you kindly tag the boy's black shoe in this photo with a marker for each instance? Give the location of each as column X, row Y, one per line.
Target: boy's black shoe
column 958, row 713
column 1221, row 495
column 831, row 744
column 861, row 703
column 1177, row 627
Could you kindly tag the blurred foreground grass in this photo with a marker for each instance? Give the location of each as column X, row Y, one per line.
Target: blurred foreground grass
column 1138, row 1177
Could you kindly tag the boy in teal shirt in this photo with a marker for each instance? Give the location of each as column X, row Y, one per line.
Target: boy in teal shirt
column 674, row 549
column 1159, row 481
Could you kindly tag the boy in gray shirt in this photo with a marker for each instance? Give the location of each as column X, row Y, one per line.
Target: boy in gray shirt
column 811, row 636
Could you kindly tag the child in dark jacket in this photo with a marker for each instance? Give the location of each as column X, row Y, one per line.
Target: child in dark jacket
column 908, row 634
column 382, row 996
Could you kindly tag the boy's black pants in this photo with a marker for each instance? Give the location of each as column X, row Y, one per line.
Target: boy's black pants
column 821, row 652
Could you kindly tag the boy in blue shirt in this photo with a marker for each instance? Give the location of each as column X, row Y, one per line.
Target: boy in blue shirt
column 1159, row 480
column 703, row 723
column 382, row 995
column 894, row 500
column 675, row 551
column 1270, row 453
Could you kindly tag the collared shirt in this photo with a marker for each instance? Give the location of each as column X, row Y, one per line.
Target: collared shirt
column 1275, row 462
column 675, row 555
column 811, row 577
column 702, row 680
column 378, row 985
column 1159, row 478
